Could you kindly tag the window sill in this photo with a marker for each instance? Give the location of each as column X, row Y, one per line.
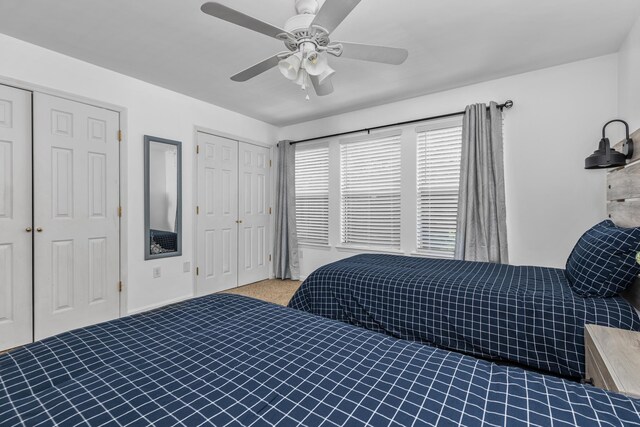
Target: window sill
column 313, row 246
column 423, row 255
column 344, row 248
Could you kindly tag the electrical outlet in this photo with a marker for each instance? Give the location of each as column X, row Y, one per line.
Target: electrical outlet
column 157, row 272
column 186, row 267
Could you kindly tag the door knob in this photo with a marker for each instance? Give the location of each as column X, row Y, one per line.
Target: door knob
column 39, row 229
column 28, row 229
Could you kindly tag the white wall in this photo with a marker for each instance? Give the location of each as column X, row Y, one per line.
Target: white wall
column 151, row 111
column 554, row 125
column 629, row 75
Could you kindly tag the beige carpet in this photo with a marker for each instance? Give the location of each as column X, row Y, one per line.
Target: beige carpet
column 276, row 291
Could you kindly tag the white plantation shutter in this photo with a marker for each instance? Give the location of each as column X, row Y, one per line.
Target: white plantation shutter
column 439, row 152
column 370, row 191
column 312, row 194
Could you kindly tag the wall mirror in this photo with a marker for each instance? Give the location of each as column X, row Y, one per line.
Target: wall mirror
column 162, row 198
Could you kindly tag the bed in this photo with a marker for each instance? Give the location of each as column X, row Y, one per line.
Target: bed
column 231, row 360
column 525, row 315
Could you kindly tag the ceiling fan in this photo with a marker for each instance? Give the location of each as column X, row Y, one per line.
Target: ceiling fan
column 307, row 39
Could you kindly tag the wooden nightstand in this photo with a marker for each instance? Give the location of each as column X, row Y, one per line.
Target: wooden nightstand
column 613, row 359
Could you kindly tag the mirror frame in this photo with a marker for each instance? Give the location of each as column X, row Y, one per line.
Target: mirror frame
column 147, row 196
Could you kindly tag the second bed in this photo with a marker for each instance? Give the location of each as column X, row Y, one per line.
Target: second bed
column 527, row 315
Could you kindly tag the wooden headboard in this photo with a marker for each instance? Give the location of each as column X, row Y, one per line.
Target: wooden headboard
column 623, row 202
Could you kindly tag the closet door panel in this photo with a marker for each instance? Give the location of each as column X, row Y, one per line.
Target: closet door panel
column 15, row 218
column 76, row 183
column 254, row 186
column 217, row 229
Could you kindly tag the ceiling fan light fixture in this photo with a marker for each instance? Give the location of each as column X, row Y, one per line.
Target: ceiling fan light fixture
column 290, row 67
column 316, row 64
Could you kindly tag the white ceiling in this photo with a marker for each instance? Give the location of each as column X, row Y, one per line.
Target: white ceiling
column 451, row 43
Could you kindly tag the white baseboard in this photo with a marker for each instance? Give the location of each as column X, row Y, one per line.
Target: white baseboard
column 158, row 305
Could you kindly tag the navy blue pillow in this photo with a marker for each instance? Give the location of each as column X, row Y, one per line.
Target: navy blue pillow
column 603, row 262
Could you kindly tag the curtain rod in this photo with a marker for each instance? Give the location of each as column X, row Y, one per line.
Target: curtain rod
column 508, row 104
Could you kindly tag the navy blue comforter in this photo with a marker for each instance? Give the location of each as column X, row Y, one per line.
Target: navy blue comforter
column 527, row 315
column 228, row 360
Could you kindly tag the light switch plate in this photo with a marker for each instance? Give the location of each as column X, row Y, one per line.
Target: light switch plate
column 186, row 267
column 157, row 272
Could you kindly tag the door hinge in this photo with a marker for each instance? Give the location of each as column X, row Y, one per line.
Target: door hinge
column 197, row 149
column 197, row 271
column 270, row 163
column 120, row 286
column 269, row 257
column 119, row 136
column 197, row 210
column 269, row 211
column 120, row 211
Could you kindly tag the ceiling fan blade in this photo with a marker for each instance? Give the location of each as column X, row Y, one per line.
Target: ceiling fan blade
column 257, row 69
column 366, row 52
column 321, row 89
column 231, row 15
column 333, row 12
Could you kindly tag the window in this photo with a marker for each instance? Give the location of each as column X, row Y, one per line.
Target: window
column 370, row 191
column 312, row 194
column 372, row 178
column 439, row 152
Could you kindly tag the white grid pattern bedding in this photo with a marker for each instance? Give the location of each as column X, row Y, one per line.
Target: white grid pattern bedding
column 230, row 360
column 526, row 315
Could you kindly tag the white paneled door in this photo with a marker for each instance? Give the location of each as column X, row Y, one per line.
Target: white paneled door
column 217, row 230
column 76, row 199
column 15, row 218
column 253, row 239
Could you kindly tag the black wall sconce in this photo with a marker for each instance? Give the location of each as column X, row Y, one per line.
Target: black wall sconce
column 607, row 157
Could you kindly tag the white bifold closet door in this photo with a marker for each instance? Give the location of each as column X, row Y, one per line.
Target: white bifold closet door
column 15, row 218
column 253, row 250
column 233, row 213
column 76, row 200
column 217, row 237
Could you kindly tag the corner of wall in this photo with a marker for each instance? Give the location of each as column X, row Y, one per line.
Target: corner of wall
column 628, row 82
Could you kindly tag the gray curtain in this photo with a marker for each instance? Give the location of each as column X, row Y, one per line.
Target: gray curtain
column 285, row 260
column 481, row 234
